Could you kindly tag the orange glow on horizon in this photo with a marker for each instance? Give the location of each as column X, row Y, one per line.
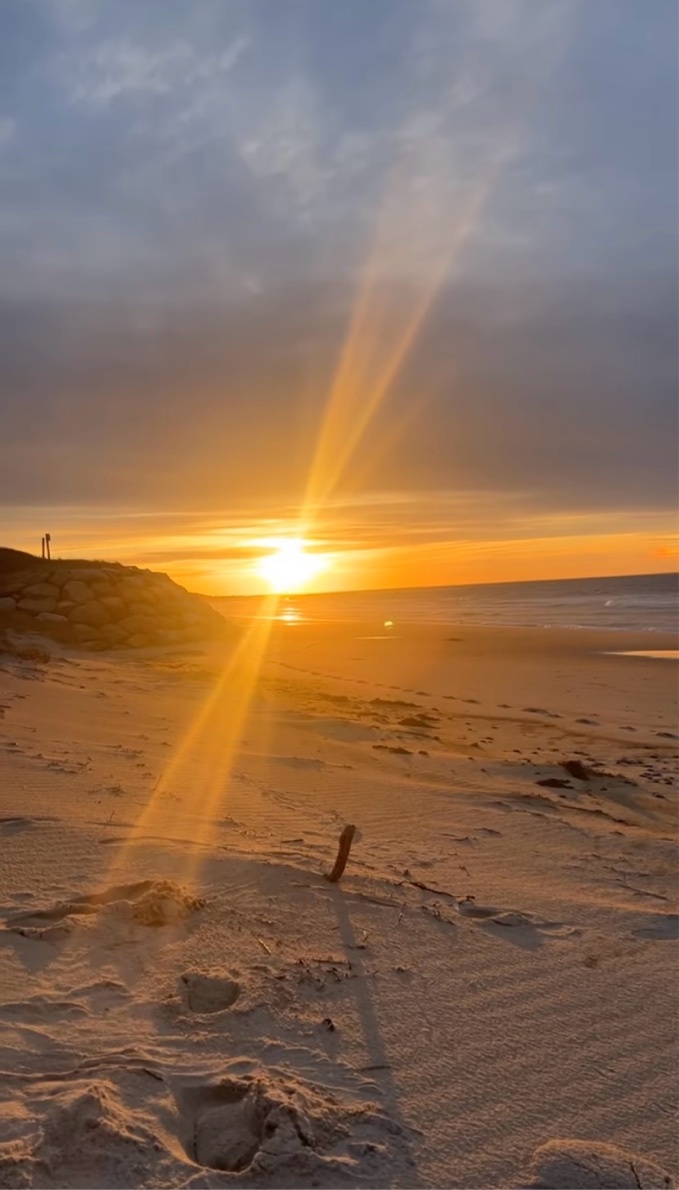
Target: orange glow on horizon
column 409, row 546
column 452, row 563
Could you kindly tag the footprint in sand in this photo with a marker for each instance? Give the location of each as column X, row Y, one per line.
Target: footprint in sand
column 264, row 1123
column 578, row 1164
column 208, row 992
column 14, row 825
column 224, row 1128
column 146, row 902
column 524, row 929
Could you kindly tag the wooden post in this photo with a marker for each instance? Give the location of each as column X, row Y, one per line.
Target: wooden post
column 345, row 842
column 48, row 538
column 43, row 547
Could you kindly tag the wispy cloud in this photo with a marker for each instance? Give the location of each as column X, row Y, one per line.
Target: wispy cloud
column 121, row 69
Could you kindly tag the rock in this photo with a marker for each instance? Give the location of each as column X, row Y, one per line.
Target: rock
column 44, row 589
column 89, row 613
column 139, row 594
column 83, row 573
column 37, row 605
column 108, row 606
column 135, row 624
column 84, row 633
column 78, row 591
column 135, row 582
column 113, row 604
column 137, row 608
column 113, row 635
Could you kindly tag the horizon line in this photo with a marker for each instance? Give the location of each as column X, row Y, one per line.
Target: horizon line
column 440, row 586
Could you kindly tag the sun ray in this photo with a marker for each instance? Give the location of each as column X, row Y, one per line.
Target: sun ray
column 209, row 745
column 380, row 334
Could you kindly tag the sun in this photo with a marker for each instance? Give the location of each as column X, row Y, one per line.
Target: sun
column 290, row 568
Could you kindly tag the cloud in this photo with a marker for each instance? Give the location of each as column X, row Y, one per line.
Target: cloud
column 195, row 194
column 539, row 401
column 121, row 69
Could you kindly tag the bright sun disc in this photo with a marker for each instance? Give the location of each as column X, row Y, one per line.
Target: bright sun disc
column 290, row 568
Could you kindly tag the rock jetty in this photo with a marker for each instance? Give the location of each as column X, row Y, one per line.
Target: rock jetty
column 101, row 605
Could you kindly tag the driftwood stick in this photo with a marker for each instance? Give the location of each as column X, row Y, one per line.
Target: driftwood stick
column 345, row 842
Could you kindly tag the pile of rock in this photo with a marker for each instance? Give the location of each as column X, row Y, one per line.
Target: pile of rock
column 105, row 606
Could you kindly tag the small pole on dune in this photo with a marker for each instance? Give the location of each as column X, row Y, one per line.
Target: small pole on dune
column 43, row 547
column 48, row 538
column 345, row 841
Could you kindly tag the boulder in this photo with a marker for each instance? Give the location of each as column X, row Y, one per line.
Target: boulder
column 43, row 589
column 78, row 591
column 89, row 613
column 114, row 605
column 137, row 608
column 134, row 624
column 113, row 635
column 106, row 606
column 84, row 633
column 37, row 605
column 87, row 573
column 136, row 596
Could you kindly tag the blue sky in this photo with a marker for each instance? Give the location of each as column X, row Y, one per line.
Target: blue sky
column 195, row 194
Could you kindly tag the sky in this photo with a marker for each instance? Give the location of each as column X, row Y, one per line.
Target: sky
column 398, row 278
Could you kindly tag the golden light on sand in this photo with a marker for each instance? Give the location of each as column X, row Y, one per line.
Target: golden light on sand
column 290, row 568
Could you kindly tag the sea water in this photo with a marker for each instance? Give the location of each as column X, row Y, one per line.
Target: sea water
column 633, row 603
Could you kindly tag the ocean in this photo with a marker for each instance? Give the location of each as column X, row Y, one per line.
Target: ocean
column 633, row 603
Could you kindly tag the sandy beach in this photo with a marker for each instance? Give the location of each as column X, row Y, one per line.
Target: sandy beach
column 488, row 996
